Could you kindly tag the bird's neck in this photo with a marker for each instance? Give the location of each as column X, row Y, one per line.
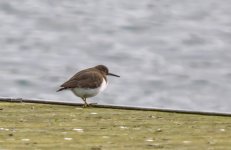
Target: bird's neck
column 104, row 77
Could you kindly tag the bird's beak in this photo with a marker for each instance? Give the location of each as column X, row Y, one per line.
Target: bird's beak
column 111, row 74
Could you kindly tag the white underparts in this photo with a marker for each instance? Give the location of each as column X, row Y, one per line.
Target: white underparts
column 87, row 92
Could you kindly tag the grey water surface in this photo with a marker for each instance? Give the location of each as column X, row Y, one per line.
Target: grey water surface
column 170, row 54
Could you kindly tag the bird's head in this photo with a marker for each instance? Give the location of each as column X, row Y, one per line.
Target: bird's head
column 105, row 70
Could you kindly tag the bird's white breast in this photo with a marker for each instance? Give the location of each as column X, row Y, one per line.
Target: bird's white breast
column 88, row 92
column 103, row 86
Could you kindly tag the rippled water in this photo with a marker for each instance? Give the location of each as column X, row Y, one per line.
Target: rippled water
column 169, row 54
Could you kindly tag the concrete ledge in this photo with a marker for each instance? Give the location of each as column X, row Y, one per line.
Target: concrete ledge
column 44, row 126
column 58, row 102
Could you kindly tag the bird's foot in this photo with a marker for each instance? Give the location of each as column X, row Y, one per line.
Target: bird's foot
column 89, row 104
column 85, row 105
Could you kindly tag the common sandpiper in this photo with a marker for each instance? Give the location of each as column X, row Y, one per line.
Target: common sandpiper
column 88, row 82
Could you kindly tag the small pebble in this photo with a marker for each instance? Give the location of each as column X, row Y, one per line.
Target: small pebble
column 149, row 140
column 187, row 142
column 4, row 129
column 152, row 116
column 78, row 129
column 123, row 127
column 222, row 130
column 68, row 139
column 93, row 113
column 159, row 130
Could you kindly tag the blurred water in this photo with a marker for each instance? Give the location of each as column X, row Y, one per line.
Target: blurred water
column 169, row 54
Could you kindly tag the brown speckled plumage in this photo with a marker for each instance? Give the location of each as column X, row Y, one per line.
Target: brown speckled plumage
column 88, row 78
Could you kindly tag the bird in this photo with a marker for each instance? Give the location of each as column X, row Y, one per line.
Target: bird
column 88, row 82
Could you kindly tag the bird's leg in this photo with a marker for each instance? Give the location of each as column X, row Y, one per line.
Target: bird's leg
column 85, row 102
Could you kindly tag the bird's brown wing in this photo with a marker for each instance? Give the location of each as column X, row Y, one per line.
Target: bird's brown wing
column 77, row 75
column 83, row 80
